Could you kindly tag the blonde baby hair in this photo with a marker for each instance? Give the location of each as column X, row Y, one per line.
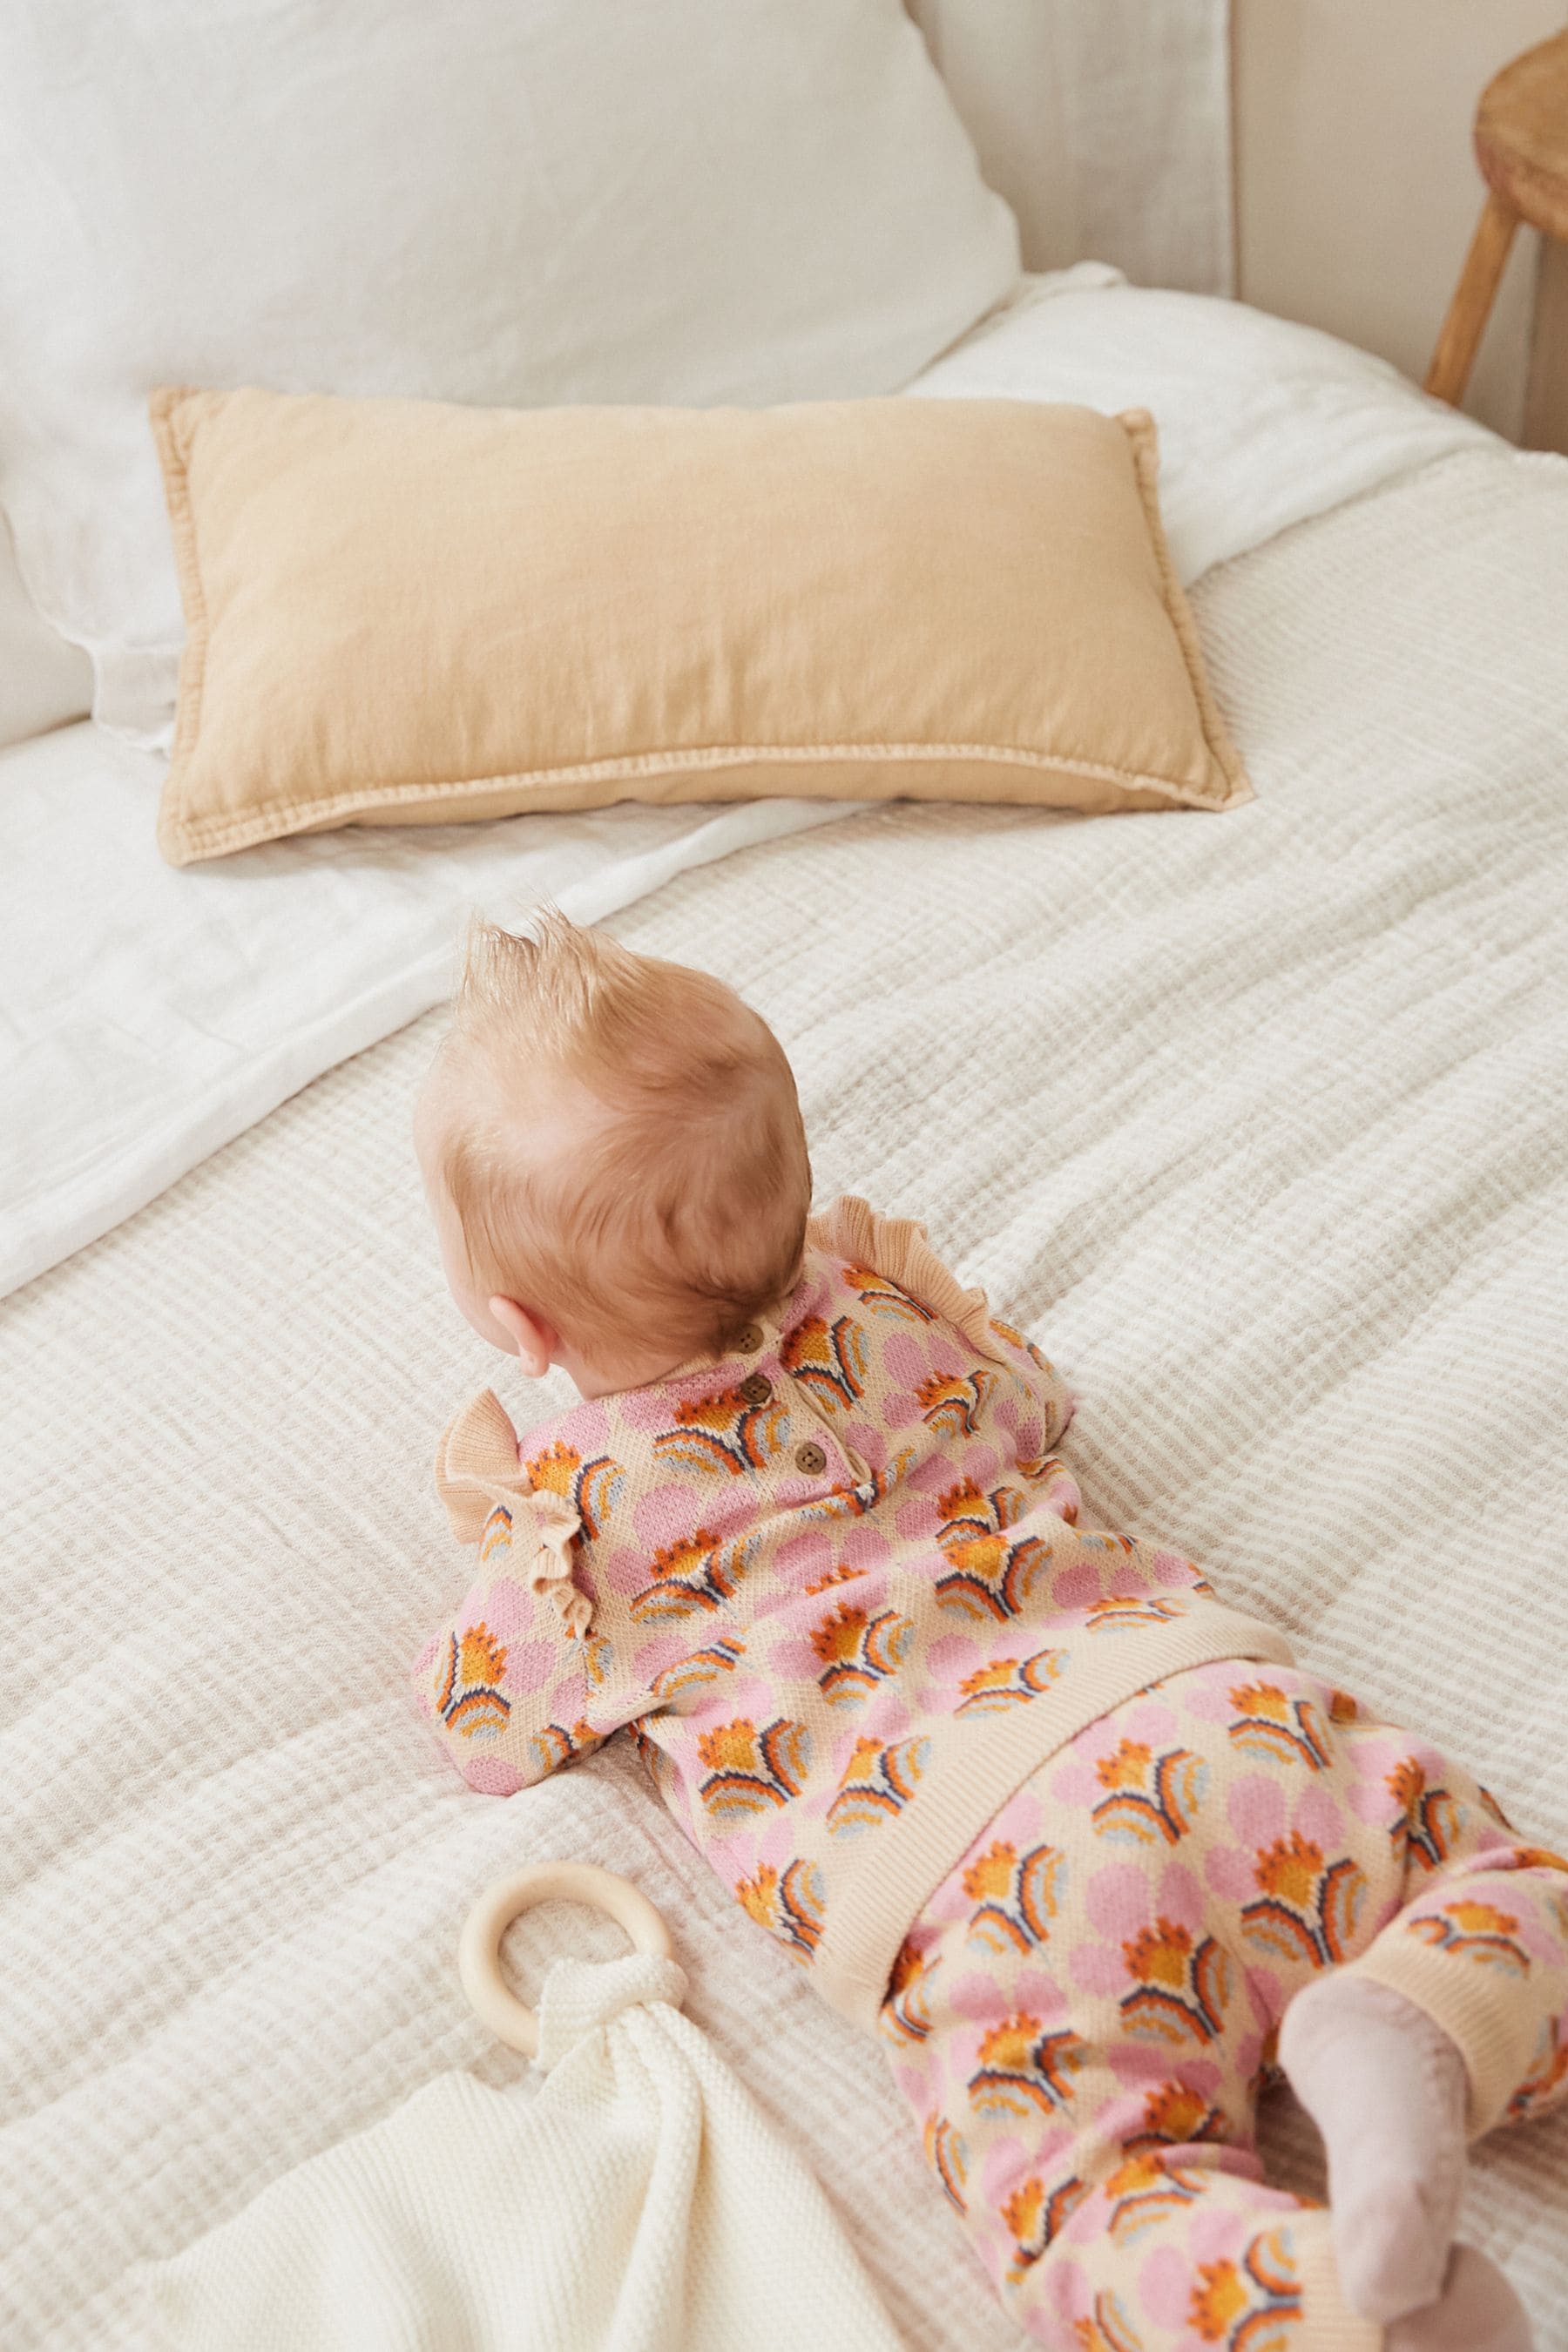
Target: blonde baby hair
column 681, row 1208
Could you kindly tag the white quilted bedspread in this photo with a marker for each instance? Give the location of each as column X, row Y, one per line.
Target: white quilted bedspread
column 1258, row 1121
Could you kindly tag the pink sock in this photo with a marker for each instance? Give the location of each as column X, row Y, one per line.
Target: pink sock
column 1388, row 2090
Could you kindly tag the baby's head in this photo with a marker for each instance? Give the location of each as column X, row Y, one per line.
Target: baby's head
column 614, row 1154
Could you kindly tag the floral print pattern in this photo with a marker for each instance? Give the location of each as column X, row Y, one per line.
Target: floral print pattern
column 808, row 1572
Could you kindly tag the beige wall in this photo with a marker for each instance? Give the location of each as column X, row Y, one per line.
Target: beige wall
column 1356, row 189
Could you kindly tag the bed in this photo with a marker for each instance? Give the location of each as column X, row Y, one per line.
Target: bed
column 1257, row 1121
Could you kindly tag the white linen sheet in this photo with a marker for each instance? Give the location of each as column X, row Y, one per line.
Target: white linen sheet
column 150, row 1014
column 43, row 682
column 1262, row 422
column 146, row 1016
column 1256, row 1121
column 1106, row 124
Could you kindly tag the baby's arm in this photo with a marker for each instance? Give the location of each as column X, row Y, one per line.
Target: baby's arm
column 897, row 1248
column 505, row 1682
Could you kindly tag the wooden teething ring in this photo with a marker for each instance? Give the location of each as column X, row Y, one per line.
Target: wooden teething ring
column 478, row 1949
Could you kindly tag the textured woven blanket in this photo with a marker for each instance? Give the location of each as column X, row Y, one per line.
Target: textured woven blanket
column 636, row 2201
column 1257, row 1121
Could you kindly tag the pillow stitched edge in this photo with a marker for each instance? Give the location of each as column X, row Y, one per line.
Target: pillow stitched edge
column 198, row 837
column 185, row 839
column 1144, row 440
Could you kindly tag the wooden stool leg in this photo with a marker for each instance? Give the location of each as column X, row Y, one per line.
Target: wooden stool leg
column 1471, row 306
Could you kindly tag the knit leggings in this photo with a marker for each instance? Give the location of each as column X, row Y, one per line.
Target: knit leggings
column 1082, row 2017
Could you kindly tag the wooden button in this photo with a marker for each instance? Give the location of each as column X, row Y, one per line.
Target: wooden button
column 748, row 1341
column 809, row 1459
column 756, row 1388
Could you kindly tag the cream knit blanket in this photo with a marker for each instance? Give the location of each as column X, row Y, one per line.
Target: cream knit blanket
column 640, row 2203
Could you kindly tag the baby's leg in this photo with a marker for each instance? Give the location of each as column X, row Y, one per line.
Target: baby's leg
column 1081, row 2057
column 1453, row 2017
column 1085, row 2009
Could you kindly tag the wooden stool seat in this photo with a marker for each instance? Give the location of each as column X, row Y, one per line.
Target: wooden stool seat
column 1521, row 146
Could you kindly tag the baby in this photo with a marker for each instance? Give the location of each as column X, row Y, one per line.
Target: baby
column 1029, row 1801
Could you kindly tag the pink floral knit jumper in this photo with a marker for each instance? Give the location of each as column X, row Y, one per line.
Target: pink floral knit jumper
column 832, row 1582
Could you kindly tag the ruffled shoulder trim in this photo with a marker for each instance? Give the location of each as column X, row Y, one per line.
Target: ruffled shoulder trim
column 477, row 1473
column 897, row 1247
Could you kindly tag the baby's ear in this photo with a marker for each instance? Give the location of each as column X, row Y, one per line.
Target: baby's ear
column 533, row 1341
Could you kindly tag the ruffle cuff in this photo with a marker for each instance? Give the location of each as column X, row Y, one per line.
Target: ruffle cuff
column 477, row 1473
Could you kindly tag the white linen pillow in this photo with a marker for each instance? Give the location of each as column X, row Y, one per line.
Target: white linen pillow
column 43, row 682
column 494, row 200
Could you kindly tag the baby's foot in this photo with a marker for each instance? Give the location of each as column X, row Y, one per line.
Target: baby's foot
column 1387, row 2089
column 1478, row 2311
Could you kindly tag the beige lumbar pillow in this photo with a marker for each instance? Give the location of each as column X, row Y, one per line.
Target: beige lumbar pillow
column 402, row 613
